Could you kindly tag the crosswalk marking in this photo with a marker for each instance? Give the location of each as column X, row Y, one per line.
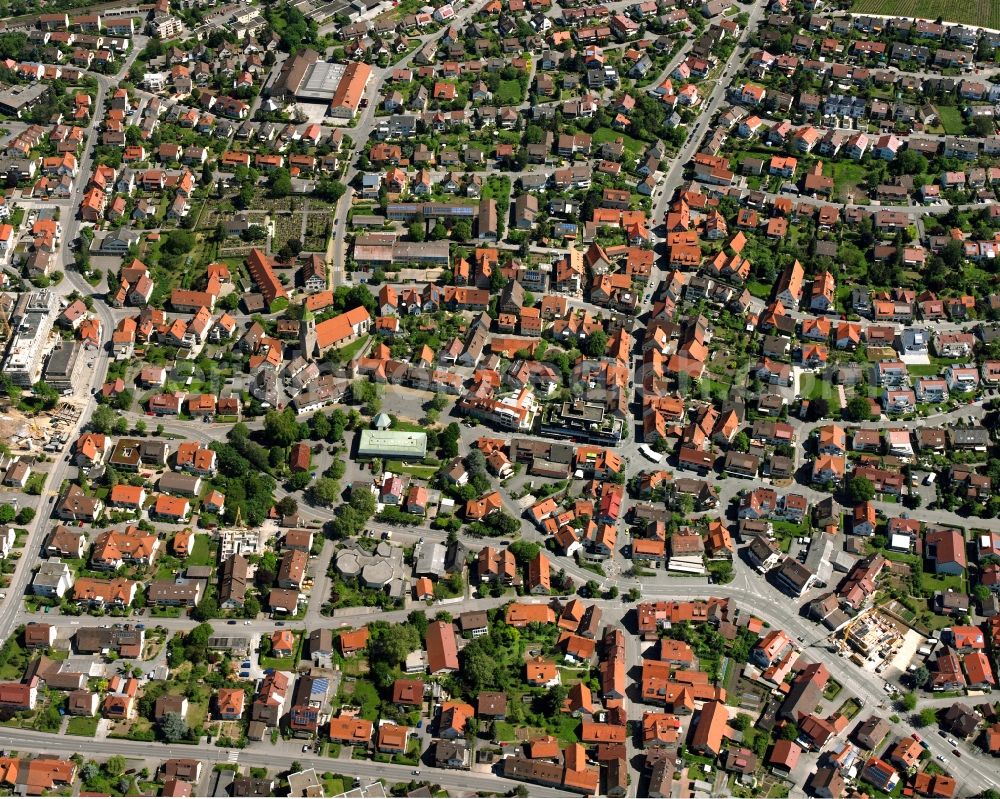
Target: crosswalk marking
column 234, row 755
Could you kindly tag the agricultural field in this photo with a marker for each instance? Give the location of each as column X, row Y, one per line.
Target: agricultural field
column 984, row 13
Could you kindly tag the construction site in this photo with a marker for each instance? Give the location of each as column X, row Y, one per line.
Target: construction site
column 46, row 432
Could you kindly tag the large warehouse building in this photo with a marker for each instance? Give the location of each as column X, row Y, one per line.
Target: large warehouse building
column 310, row 80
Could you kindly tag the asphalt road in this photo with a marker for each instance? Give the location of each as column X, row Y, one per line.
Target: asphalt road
column 92, row 377
column 748, row 589
column 62, row 746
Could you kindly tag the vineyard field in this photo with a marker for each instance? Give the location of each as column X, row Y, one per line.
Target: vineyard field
column 982, row 13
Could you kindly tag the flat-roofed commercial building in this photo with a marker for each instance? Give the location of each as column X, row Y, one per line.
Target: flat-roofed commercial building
column 63, row 366
column 18, row 99
column 405, row 212
column 383, row 249
column 392, row 444
column 33, row 318
column 320, row 81
column 433, row 253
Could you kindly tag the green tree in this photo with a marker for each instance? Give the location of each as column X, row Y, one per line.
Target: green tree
column 179, row 242
column 347, row 523
column 552, row 701
column 325, row 491
column 596, row 345
column 858, row 409
column 281, row 428
column 114, row 766
column 8, row 389
column 208, row 608
column 909, row 701
column 48, row 395
column 741, row 722
column 287, row 506
column 418, row 620
column 199, row 635
column 479, row 670
column 860, row 489
column 319, row 426
column 330, row 190
column 524, row 551
column 818, row 408
column 722, row 572
column 925, row 718
column 448, row 440
column 280, row 183
column 388, row 646
column 362, row 391
column 363, row 502
column 103, row 419
column 173, row 727
column 251, row 607
column 245, row 197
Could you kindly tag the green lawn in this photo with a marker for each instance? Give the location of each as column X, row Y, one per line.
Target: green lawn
column 951, row 120
column 505, row 731
column 509, row 93
column 847, row 176
column 167, row 612
column 564, row 728
column 923, row 369
column 603, row 135
column 280, row 664
column 352, row 349
column 408, row 427
column 412, row 469
column 850, row 708
column 363, row 694
column 14, row 660
column 814, row 387
column 84, row 726
column 203, row 552
column 759, row 290
column 791, row 529
column 942, row 582
column 901, row 557
column 832, row 689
